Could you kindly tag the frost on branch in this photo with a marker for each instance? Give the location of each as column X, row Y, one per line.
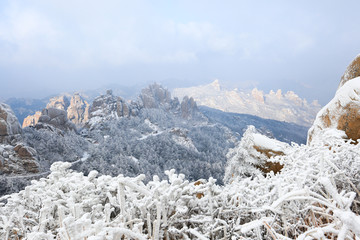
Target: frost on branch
column 314, row 196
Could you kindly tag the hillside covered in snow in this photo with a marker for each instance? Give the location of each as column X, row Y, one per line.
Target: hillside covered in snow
column 287, row 107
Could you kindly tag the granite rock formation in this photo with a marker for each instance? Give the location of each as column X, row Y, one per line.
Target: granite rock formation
column 78, row 110
column 352, row 71
column 343, row 111
column 155, row 96
column 54, row 117
column 188, row 107
column 9, row 124
column 31, row 120
column 59, row 102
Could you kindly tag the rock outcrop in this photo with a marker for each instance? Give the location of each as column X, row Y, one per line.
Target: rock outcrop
column 78, row 110
column 9, row 124
column 188, row 107
column 155, row 96
column 59, row 102
column 31, row 120
column 352, row 71
column 20, row 159
column 54, row 117
column 110, row 106
column 343, row 111
column 15, row 157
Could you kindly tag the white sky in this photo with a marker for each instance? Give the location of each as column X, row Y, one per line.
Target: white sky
column 52, row 46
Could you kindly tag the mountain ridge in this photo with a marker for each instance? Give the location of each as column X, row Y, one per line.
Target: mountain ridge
column 280, row 106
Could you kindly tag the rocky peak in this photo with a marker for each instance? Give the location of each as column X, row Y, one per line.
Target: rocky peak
column 188, row 107
column 78, row 110
column 9, row 124
column 216, row 85
column 59, row 102
column 258, row 95
column 155, row 96
column 109, row 106
column 31, row 120
column 352, row 71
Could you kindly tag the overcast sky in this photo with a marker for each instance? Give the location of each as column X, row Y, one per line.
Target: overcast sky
column 53, row 46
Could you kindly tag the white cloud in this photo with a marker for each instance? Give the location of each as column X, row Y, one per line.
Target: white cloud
column 27, row 31
column 208, row 36
column 301, row 41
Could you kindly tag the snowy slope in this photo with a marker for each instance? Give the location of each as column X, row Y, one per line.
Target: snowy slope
column 280, row 106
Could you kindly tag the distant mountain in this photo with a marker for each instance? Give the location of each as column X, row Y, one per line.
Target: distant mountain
column 150, row 134
column 282, row 131
column 287, row 107
column 24, row 107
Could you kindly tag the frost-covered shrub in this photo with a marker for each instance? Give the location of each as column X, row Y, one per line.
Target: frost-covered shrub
column 315, row 196
column 246, row 157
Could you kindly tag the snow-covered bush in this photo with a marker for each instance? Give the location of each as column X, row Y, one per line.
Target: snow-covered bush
column 248, row 155
column 315, row 196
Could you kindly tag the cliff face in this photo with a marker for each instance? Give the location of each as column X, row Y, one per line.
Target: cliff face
column 78, row 110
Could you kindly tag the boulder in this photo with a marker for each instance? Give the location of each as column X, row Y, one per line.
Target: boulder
column 56, row 118
column 343, row 111
column 25, row 152
column 352, row 71
column 30, row 165
column 20, row 159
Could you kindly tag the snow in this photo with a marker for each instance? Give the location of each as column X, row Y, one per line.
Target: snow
column 314, row 196
column 347, row 94
column 153, row 134
column 95, row 120
column 134, row 159
column 184, row 141
column 280, row 106
column 267, row 143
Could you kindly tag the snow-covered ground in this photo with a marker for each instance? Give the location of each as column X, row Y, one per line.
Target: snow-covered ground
column 315, row 196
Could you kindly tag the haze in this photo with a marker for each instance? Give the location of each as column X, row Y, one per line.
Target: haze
column 53, row 46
